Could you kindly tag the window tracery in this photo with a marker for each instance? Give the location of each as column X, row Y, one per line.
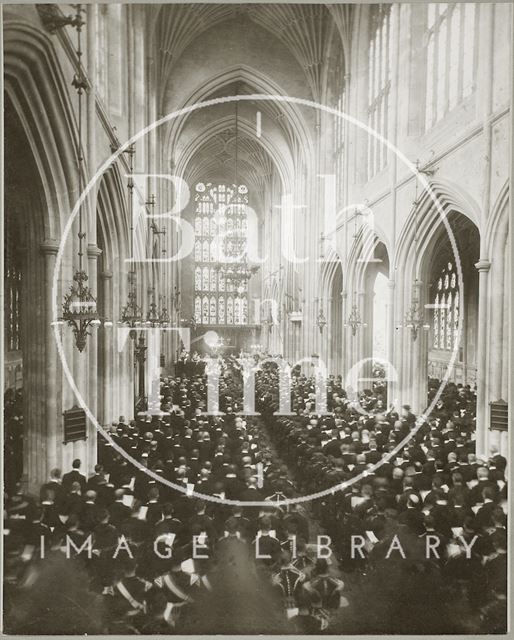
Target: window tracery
column 379, row 82
column 450, row 57
column 220, row 224
column 446, row 305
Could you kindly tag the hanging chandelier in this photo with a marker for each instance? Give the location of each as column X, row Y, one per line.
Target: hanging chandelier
column 79, row 308
column 152, row 315
column 355, row 320
column 239, row 274
column 164, row 315
column 321, row 321
column 156, row 315
column 237, row 271
column 414, row 319
column 131, row 314
column 415, row 316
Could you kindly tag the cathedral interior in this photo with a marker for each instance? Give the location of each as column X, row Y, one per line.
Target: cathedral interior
column 324, row 187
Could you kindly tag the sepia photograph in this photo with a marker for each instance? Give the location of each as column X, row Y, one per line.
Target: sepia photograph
column 257, row 329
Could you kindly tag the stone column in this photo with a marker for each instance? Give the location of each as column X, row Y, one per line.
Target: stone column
column 344, row 336
column 410, row 361
column 49, row 442
column 483, row 266
column 92, row 351
column 327, row 338
column 105, row 409
column 419, row 361
column 361, row 340
column 391, row 330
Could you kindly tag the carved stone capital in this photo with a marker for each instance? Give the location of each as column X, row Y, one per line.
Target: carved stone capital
column 483, row 265
column 49, row 247
column 93, row 251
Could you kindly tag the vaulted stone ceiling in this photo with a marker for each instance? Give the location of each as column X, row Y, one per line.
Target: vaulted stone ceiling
column 217, row 158
column 214, row 154
column 304, row 29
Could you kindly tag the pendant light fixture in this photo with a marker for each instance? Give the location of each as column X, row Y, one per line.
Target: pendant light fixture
column 164, row 316
column 131, row 314
column 354, row 319
column 155, row 316
column 415, row 316
column 79, row 308
column 152, row 315
column 237, row 271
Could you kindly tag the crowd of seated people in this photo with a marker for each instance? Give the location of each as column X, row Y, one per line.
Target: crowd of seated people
column 434, row 490
column 156, row 550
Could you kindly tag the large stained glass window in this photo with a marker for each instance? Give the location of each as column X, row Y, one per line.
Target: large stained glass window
column 221, row 230
column 446, row 309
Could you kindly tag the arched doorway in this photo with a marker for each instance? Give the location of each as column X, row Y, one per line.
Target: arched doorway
column 24, row 309
column 447, row 303
column 115, row 391
column 374, row 333
column 380, row 316
column 335, row 354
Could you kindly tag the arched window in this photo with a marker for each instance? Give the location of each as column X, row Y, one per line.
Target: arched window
column 436, row 320
column 198, row 251
column 221, row 310
column 230, row 310
column 450, row 57
column 237, row 311
column 446, row 304
column 221, row 281
column 213, row 311
column 205, row 251
column 213, row 279
column 198, row 278
column 339, row 123
column 219, row 209
column 379, row 83
column 205, row 279
column 205, row 310
column 214, row 250
column 198, row 310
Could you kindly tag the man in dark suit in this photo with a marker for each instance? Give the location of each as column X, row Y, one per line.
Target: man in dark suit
column 96, row 478
column 74, row 476
column 234, row 486
column 53, row 488
column 154, row 513
column 484, row 515
column 89, row 512
column 168, row 524
column 73, row 501
column 118, row 511
column 499, row 461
